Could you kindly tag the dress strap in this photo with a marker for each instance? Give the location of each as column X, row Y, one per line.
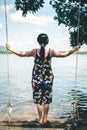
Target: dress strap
column 36, row 51
column 49, row 52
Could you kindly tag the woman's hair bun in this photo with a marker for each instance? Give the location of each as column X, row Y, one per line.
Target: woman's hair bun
column 43, row 39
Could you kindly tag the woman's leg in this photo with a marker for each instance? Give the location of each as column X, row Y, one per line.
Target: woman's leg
column 46, row 110
column 40, row 112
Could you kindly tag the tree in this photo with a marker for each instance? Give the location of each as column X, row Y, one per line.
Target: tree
column 28, row 5
column 67, row 12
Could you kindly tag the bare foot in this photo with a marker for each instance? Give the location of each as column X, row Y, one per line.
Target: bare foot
column 41, row 121
column 45, row 121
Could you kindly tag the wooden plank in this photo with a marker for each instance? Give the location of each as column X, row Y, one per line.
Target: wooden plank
column 21, row 128
column 35, row 124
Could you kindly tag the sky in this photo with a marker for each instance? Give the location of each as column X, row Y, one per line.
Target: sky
column 23, row 31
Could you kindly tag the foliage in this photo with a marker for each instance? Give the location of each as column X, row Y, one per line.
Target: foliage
column 28, row 5
column 66, row 13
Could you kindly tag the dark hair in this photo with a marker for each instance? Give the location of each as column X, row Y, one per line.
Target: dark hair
column 43, row 41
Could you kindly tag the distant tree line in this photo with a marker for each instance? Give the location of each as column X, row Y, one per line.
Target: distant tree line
column 3, row 50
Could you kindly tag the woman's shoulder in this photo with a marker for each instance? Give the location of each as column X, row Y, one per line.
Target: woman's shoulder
column 31, row 52
column 53, row 53
column 49, row 51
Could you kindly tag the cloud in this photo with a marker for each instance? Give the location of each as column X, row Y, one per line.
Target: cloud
column 8, row 7
column 39, row 30
column 31, row 19
column 0, row 25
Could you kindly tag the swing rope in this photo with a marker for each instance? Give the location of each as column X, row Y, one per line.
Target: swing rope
column 76, row 113
column 9, row 102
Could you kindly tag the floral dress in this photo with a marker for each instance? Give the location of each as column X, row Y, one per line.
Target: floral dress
column 42, row 80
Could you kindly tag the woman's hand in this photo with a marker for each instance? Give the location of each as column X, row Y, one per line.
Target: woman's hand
column 8, row 46
column 77, row 47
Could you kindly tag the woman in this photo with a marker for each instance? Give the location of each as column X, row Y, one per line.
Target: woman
column 42, row 75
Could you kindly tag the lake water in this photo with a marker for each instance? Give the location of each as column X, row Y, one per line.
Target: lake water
column 64, row 88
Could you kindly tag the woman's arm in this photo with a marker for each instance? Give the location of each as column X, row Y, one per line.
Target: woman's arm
column 18, row 53
column 65, row 54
